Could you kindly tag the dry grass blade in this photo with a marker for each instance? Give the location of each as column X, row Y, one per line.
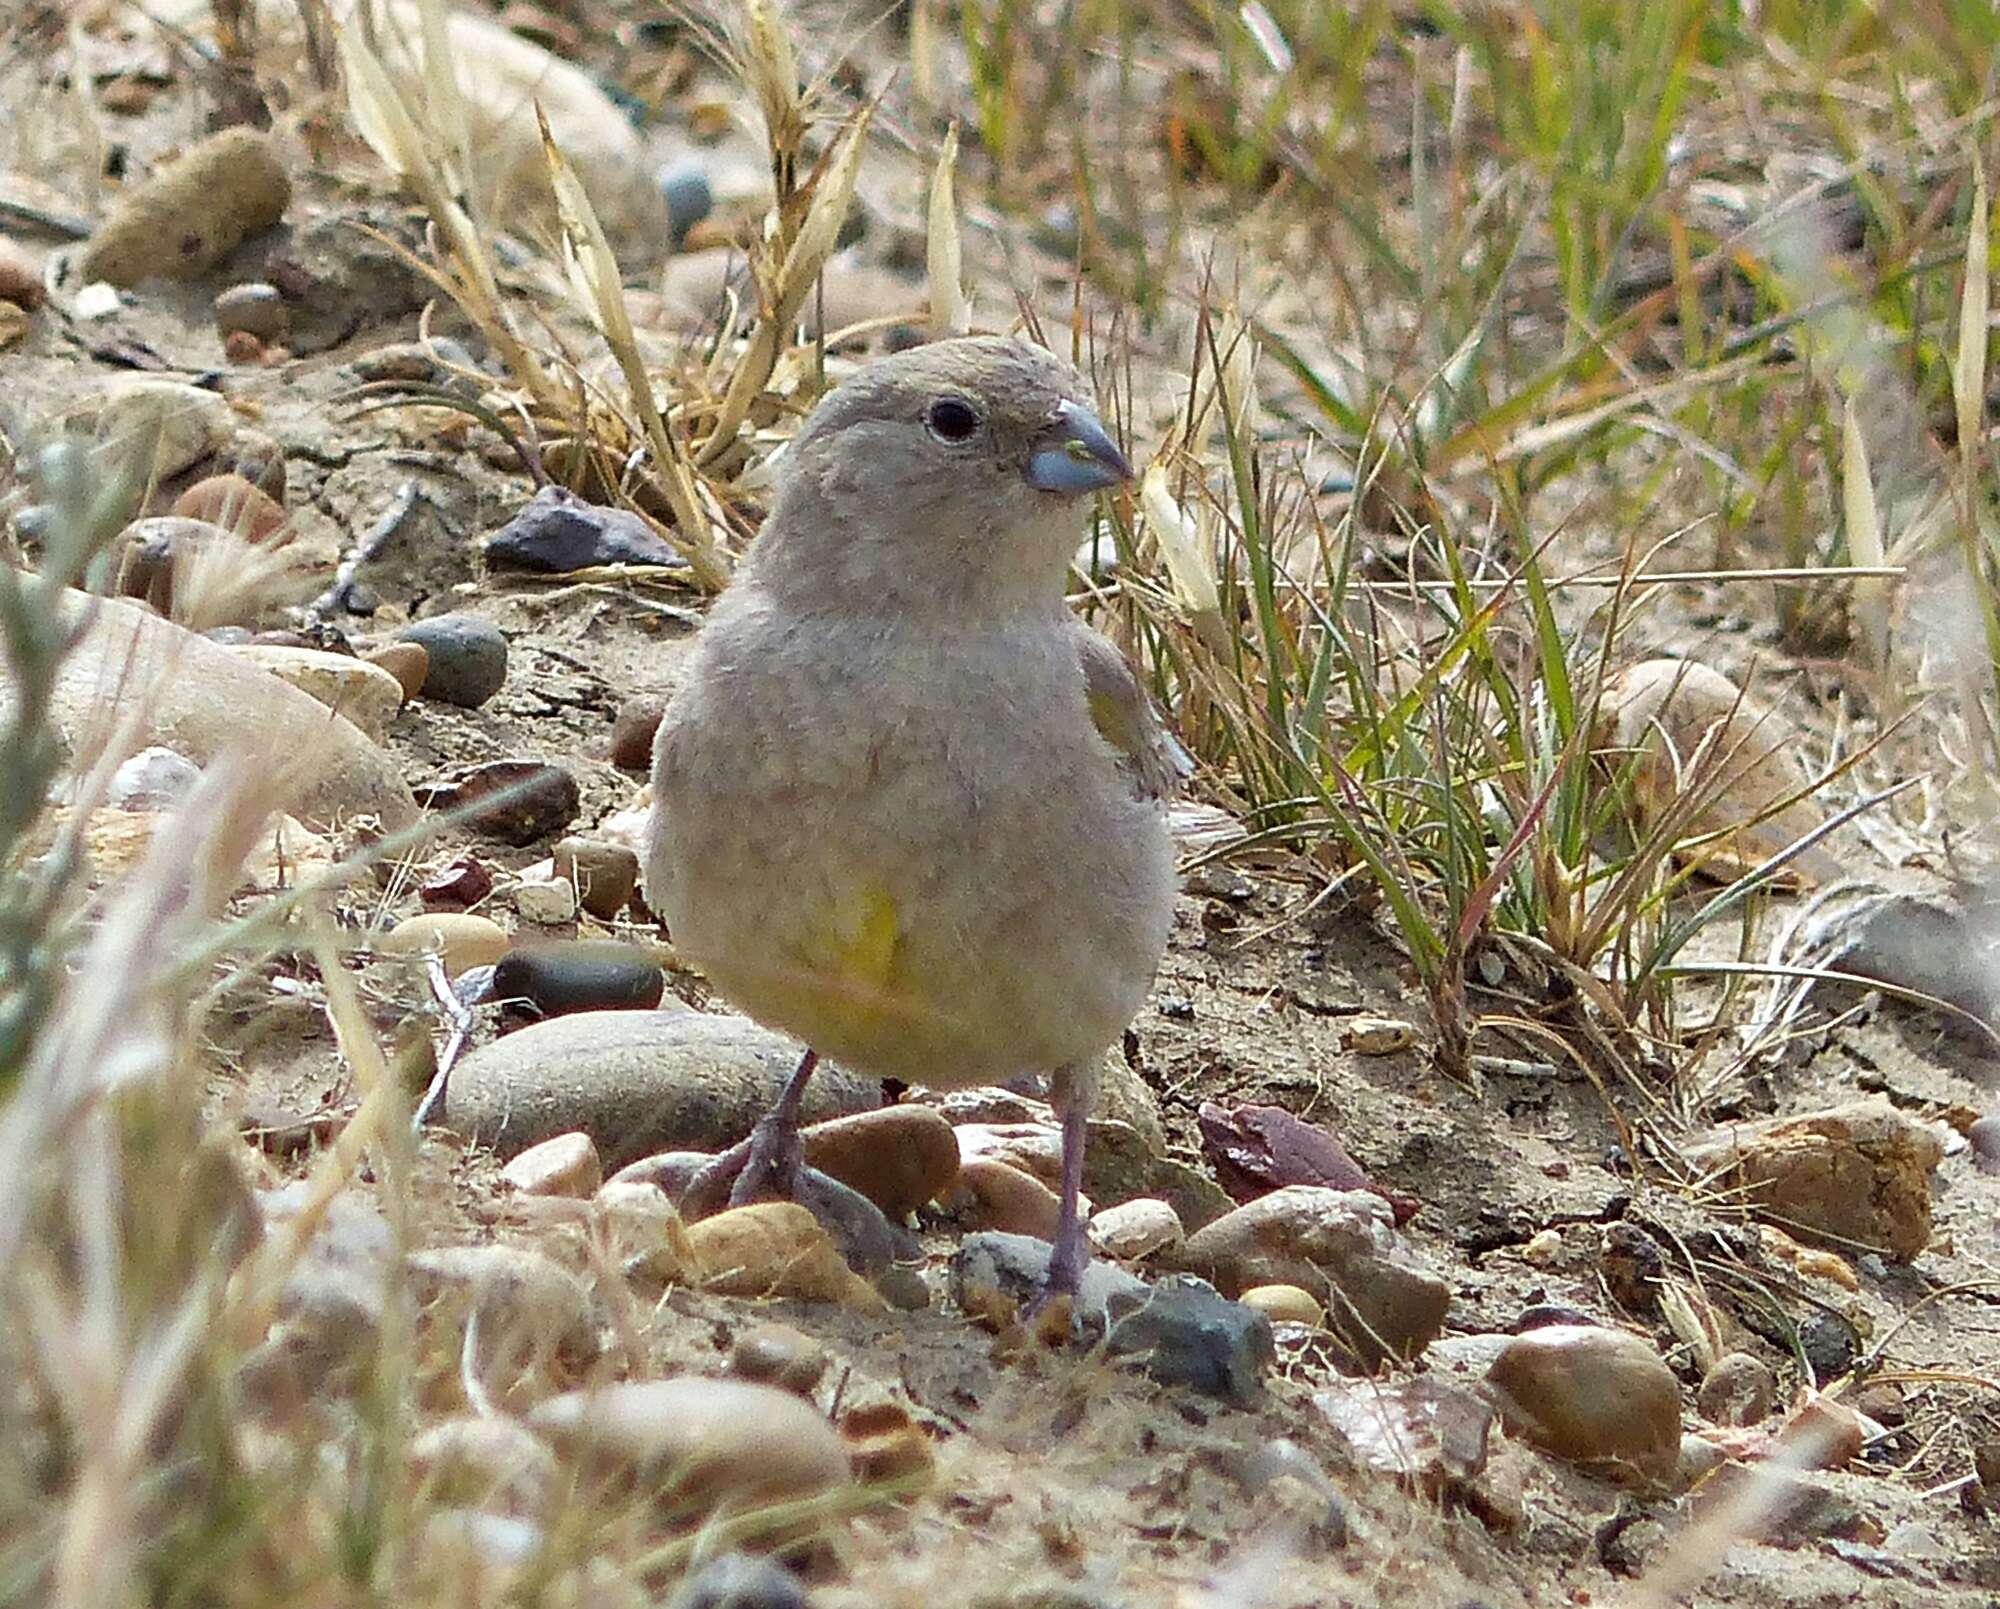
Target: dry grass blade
column 951, row 313
column 1968, row 370
column 1864, row 534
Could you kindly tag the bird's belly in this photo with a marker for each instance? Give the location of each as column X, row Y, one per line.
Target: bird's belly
column 927, row 955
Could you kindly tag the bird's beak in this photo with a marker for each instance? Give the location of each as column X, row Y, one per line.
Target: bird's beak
column 1076, row 455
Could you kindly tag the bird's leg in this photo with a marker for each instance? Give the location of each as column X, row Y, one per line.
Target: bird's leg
column 767, row 1165
column 1074, row 1090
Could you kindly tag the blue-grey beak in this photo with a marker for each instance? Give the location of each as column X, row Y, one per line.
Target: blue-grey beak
column 1077, row 455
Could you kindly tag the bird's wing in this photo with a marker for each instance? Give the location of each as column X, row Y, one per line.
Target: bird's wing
column 1126, row 719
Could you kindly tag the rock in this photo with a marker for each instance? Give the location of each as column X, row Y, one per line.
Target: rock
column 1285, row 1304
column 406, row 661
column 741, row 1581
column 604, row 875
column 1135, row 1229
column 468, row 658
column 332, row 1304
column 636, row 1082
column 557, row 532
column 885, row 1444
column 365, row 694
column 1738, row 1390
column 1913, row 943
column 1377, row 1036
column 684, row 187
column 1983, row 1135
column 464, row 941
column 779, row 1355
column 1699, row 1457
column 1672, row 725
column 514, row 801
column 253, row 456
column 553, row 980
column 1033, row 1148
column 899, row 1157
column 1598, row 1398
column 535, row 1319
column 633, row 730
column 155, row 778
column 20, row 275
column 232, row 504
column 776, row 1249
column 456, row 886
column 485, row 1459
column 992, row 1195
column 564, row 1166
column 1829, row 1345
column 194, row 212
column 185, row 423
column 1424, row 1432
column 726, row 1444
column 1186, row 1334
column 1341, row 1243
column 1258, row 1149
column 201, row 700
column 545, row 901
column 1632, row 1265
column 155, row 549
column 992, row 1271
column 1851, row 1176
column 14, row 325
column 254, row 308
column 243, row 350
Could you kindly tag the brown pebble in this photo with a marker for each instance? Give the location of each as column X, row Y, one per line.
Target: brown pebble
column 20, row 275
column 1738, row 1390
column 899, row 1157
column 253, row 308
column 633, row 730
column 1597, row 1397
column 408, row 662
column 233, row 503
column 885, row 1444
column 14, row 322
column 778, row 1355
column 258, row 459
column 243, row 349
column 1285, row 1304
column 776, row 1249
column 995, row 1195
column 187, row 217
column 566, row 1165
column 463, row 940
column 604, row 873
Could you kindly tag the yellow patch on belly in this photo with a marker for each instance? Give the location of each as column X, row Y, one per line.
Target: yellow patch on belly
column 846, row 984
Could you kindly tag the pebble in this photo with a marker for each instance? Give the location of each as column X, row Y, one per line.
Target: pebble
column 637, row 1082
column 1339, row 1240
column 20, row 275
column 775, row 1250
column 584, row 975
column 1984, row 1137
column 457, row 886
column 233, row 504
column 779, row 1355
column 200, row 699
column 730, row 1443
column 155, row 550
column 155, row 778
column 1857, row 1175
column 187, row 217
column 689, row 196
column 1032, row 1147
column 536, row 1320
column 408, row 662
column 993, row 1269
column 741, row 1581
column 1737, row 1390
column 485, row 1459
column 468, row 657
column 1544, row 1249
column 557, row 532
column 468, row 1544
column 1597, row 1397
column 1135, row 1229
column 1285, row 1304
column 14, row 325
column 187, row 423
column 1187, row 1334
column 1829, row 1345
column 545, row 901
column 254, row 308
column 993, row 1195
column 633, row 730
column 243, row 350
column 1632, row 1265
column 1423, row 1432
column 899, row 1157
column 564, row 1166
column 352, row 688
column 603, row 874
column 514, row 801
column 253, row 456
column 464, row 941
column 1258, row 1149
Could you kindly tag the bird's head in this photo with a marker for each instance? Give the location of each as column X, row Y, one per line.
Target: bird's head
column 959, row 468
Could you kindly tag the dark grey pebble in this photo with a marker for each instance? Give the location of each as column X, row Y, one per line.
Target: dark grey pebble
column 515, row 801
column 1188, row 1334
column 551, row 980
column 1018, row 1265
column 468, row 658
column 689, row 196
column 633, row 729
column 557, row 531
column 741, row 1581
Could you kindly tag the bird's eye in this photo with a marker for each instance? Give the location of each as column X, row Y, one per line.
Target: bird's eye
column 951, row 419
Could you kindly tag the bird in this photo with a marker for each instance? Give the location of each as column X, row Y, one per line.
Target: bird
column 908, row 809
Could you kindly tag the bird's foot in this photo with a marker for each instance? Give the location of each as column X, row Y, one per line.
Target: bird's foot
column 1051, row 1313
column 765, row 1167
